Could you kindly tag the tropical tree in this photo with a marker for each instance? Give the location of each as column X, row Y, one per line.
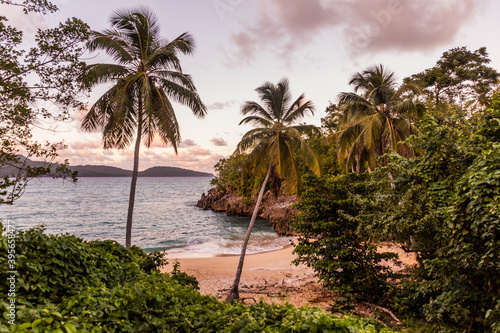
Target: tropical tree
column 459, row 77
column 273, row 146
column 146, row 77
column 378, row 119
column 49, row 72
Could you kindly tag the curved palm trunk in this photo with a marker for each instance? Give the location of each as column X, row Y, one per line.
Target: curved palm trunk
column 233, row 292
column 128, row 232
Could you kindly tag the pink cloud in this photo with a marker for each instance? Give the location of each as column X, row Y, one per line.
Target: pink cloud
column 284, row 26
column 219, row 142
column 198, row 151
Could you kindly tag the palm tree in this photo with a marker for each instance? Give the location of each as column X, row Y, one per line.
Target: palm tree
column 274, row 144
column 146, row 77
column 378, row 119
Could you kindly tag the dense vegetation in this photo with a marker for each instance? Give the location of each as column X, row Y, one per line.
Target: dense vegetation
column 416, row 165
column 442, row 205
column 65, row 284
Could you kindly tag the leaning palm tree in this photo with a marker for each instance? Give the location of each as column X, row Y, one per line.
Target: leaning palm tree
column 146, row 77
column 378, row 119
column 273, row 146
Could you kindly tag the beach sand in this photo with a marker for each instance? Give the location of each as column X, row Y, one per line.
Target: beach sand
column 269, row 276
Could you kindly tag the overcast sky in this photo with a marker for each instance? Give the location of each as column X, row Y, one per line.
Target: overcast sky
column 240, row 44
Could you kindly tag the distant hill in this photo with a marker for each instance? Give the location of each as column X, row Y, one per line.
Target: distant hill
column 108, row 171
column 100, row 171
column 162, row 171
column 159, row 171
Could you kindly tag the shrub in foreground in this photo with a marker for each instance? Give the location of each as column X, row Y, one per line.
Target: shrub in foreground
column 65, row 284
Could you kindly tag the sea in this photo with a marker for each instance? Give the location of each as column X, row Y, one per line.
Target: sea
column 165, row 215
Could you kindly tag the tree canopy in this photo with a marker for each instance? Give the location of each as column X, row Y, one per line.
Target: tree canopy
column 51, row 71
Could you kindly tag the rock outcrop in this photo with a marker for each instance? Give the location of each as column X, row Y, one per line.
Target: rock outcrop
column 277, row 210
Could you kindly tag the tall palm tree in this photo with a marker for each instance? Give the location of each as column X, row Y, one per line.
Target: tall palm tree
column 274, row 144
column 147, row 75
column 377, row 119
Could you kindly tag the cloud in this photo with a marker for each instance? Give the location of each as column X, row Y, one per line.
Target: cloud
column 285, row 26
column 399, row 25
column 158, row 143
column 187, row 143
column 198, row 151
column 221, row 105
column 219, row 142
column 85, row 145
column 282, row 26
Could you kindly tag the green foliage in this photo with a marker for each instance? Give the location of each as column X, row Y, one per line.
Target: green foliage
column 376, row 120
column 444, row 205
column 51, row 268
column 68, row 285
column 459, row 76
column 277, row 140
column 330, row 240
column 333, row 118
column 51, row 73
column 326, row 151
column 182, row 278
column 229, row 176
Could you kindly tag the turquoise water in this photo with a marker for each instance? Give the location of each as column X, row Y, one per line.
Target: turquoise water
column 165, row 216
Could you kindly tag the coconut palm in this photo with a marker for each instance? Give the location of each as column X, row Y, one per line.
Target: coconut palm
column 378, row 119
column 273, row 146
column 146, row 77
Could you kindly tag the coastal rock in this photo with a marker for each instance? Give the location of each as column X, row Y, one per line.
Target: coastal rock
column 277, row 210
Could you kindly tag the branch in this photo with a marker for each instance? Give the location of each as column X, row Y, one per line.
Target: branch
column 389, row 312
column 52, row 59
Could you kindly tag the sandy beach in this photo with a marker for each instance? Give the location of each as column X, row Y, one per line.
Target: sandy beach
column 268, row 275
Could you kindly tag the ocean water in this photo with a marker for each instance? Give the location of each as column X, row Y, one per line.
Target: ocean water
column 165, row 216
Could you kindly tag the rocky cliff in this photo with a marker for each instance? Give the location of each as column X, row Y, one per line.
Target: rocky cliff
column 274, row 209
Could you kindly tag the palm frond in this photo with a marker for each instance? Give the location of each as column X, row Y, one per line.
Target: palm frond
column 102, row 73
column 185, row 96
column 255, row 108
column 256, row 120
column 298, row 111
column 113, row 43
column 298, row 145
column 306, row 129
column 165, row 119
column 286, row 164
column 258, row 159
column 372, row 126
column 251, row 139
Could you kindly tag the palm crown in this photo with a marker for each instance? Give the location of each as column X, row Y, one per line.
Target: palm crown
column 378, row 119
column 147, row 74
column 277, row 138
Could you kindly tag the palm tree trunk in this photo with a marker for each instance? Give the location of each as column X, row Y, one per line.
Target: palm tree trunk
column 131, row 201
column 233, row 292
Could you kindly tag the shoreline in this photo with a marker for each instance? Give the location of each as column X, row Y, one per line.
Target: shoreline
column 268, row 275
column 204, row 255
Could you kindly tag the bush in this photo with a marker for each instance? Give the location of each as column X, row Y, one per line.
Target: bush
column 445, row 205
column 331, row 242
column 69, row 285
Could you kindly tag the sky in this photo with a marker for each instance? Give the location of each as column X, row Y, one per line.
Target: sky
column 240, row 44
